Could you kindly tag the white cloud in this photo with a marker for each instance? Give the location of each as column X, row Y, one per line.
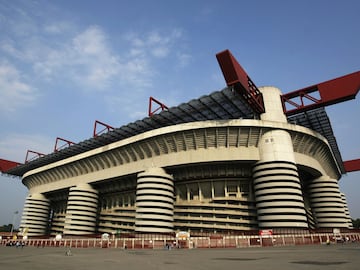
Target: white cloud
column 14, row 92
column 140, row 66
column 155, row 38
column 9, row 48
column 92, row 58
column 160, row 52
column 91, row 42
column 137, row 72
column 49, row 67
column 183, row 59
column 154, row 44
column 57, row 27
column 86, row 60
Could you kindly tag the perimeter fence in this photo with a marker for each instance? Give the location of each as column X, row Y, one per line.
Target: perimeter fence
column 154, row 241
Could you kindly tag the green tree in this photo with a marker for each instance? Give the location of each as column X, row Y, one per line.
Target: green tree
column 356, row 223
column 6, row 228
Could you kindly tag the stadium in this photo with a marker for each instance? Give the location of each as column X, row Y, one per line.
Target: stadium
column 235, row 160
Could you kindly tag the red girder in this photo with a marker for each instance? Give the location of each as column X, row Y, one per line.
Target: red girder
column 327, row 93
column 57, row 147
column 162, row 106
column 319, row 95
column 352, row 165
column 34, row 156
column 6, row 165
column 106, row 127
column 235, row 76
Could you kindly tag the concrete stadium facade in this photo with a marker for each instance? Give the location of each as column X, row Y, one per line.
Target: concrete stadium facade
column 203, row 176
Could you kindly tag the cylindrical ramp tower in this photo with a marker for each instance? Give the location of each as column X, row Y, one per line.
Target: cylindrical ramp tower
column 347, row 212
column 277, row 187
column 154, row 201
column 327, row 204
column 35, row 216
column 81, row 212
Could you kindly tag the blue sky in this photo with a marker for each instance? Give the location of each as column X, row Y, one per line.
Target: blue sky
column 65, row 64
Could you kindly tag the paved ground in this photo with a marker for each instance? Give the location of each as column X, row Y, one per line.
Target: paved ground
column 336, row 256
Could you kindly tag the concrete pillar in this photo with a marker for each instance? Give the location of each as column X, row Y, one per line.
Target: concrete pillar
column 326, row 203
column 277, row 187
column 273, row 106
column 81, row 211
column 154, row 201
column 35, row 217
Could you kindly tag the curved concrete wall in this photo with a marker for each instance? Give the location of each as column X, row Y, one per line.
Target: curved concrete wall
column 178, row 145
column 347, row 212
column 35, row 218
column 81, row 210
column 214, row 198
column 154, row 201
column 327, row 204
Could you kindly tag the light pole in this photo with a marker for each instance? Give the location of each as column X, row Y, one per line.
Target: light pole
column 12, row 225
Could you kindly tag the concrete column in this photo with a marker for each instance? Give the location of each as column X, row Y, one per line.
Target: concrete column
column 277, row 187
column 35, row 216
column 273, row 106
column 154, row 201
column 81, row 211
column 326, row 203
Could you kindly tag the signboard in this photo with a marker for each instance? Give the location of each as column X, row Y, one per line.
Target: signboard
column 183, row 235
column 105, row 236
column 266, row 232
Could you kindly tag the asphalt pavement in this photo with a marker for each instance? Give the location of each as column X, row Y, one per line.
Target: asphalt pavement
column 334, row 256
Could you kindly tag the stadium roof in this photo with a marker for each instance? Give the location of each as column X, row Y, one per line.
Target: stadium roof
column 219, row 105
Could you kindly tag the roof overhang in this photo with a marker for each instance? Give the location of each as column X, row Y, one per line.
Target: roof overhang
column 219, row 105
